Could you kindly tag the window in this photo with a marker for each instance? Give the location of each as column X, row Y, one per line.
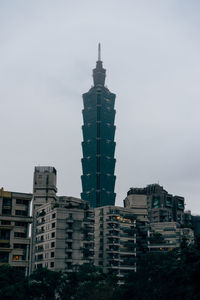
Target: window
column 69, row 245
column 53, row 216
column 53, row 225
column 6, row 212
column 15, row 257
column 5, row 222
column 69, row 265
column 53, row 234
column 22, row 224
column 4, row 234
column 20, row 201
column 19, row 246
column 52, row 244
column 4, row 245
column 4, row 257
column 52, row 264
column 7, row 202
column 70, row 235
column 52, row 254
column 21, row 213
column 19, row 234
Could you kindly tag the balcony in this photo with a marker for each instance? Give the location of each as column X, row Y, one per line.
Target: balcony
column 39, row 231
column 5, row 247
column 40, row 222
column 112, row 221
column 39, row 241
column 68, row 250
column 69, row 220
column 87, row 238
column 39, row 250
column 113, row 241
column 113, row 233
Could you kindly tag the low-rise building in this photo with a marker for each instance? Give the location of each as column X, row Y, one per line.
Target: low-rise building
column 14, row 229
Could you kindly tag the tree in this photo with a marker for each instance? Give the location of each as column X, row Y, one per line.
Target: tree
column 13, row 284
column 44, row 284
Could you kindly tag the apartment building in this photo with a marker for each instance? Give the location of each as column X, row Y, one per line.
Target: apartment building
column 161, row 206
column 165, row 236
column 115, row 239
column 44, row 191
column 64, row 234
column 14, row 229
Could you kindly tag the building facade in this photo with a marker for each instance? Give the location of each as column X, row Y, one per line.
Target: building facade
column 64, row 235
column 44, row 191
column 14, row 229
column 98, row 163
column 115, row 239
column 161, row 206
column 166, row 222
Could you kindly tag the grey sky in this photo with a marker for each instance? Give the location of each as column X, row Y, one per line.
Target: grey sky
column 151, row 52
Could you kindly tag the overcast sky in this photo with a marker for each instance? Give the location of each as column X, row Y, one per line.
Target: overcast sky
column 151, row 50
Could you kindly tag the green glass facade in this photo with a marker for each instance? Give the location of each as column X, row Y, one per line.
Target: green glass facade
column 98, row 163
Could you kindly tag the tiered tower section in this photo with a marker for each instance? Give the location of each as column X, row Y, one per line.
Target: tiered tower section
column 98, row 163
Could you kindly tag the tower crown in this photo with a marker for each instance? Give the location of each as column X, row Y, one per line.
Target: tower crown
column 99, row 73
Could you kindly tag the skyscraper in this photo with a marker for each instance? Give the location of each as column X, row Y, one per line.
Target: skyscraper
column 98, row 163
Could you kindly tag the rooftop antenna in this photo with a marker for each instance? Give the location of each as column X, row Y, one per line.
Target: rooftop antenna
column 99, row 52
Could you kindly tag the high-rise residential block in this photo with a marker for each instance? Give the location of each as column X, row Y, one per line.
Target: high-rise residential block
column 14, row 229
column 115, row 239
column 44, row 191
column 98, row 163
column 64, row 235
column 161, row 206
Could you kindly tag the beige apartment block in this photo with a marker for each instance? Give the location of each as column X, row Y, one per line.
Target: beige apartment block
column 64, row 235
column 115, row 239
column 14, row 229
column 138, row 205
column 165, row 236
column 44, row 191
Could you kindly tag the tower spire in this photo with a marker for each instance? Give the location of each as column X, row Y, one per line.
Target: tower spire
column 99, row 73
column 99, row 52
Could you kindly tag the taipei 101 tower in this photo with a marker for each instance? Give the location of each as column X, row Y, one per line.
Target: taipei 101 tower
column 98, row 163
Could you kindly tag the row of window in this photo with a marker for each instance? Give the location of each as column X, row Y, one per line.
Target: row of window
column 20, row 224
column 20, row 235
column 18, row 257
column 46, row 237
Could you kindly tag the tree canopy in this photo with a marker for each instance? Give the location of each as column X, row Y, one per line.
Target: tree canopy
column 165, row 276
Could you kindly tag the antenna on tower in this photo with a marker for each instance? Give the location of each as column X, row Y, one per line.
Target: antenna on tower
column 99, row 52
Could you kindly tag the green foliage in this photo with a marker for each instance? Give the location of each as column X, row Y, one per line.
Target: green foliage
column 44, row 283
column 13, row 284
column 165, row 276
column 172, row 275
column 88, row 283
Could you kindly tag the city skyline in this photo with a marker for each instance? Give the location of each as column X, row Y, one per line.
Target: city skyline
column 151, row 53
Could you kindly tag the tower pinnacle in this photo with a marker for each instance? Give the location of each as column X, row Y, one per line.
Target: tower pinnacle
column 99, row 73
column 99, row 52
